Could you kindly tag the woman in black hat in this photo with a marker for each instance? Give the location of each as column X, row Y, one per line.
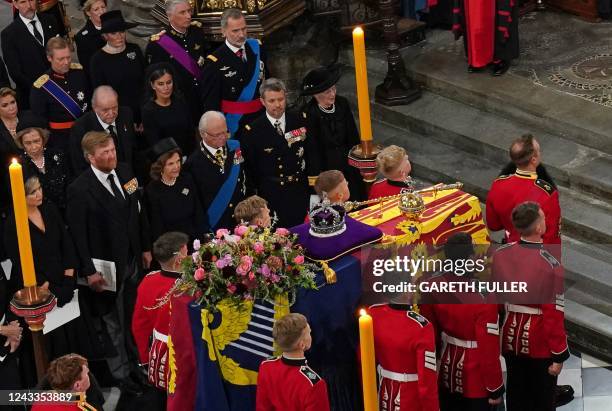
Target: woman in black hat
column 331, row 127
column 119, row 64
column 165, row 113
column 172, row 199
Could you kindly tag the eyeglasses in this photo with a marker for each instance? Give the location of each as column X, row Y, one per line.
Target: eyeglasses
column 219, row 135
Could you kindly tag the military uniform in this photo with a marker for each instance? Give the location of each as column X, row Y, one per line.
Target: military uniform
column 194, row 43
column 75, row 84
column 385, row 188
column 302, row 388
column 533, row 332
column 276, row 166
column 209, row 176
column 224, row 77
column 406, row 360
column 470, row 367
column 151, row 322
column 510, row 190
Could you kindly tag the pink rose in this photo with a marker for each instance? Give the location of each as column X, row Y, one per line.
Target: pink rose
column 195, row 257
column 299, row 259
column 258, row 247
column 251, row 275
column 275, row 278
column 264, row 270
column 241, row 230
column 198, row 294
column 282, row 231
column 245, row 265
column 196, row 244
column 199, row 274
column 231, row 288
column 222, row 232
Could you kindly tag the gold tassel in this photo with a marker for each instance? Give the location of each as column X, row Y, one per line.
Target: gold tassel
column 330, row 274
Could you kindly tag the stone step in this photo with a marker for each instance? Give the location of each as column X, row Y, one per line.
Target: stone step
column 539, row 108
column 589, row 329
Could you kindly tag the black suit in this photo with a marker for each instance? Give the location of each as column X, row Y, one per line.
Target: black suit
column 124, row 141
column 277, row 169
column 24, row 56
column 104, row 227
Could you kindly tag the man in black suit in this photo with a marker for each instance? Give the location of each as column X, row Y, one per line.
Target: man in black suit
column 106, row 116
column 23, row 47
column 214, row 163
column 275, row 153
column 107, row 223
column 228, row 72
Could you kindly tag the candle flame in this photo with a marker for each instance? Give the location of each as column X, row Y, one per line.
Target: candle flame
column 358, row 30
column 363, row 312
column 14, row 160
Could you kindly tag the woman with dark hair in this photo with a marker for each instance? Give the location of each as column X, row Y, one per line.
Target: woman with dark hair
column 165, row 114
column 119, row 64
column 331, row 128
column 89, row 38
column 172, row 199
column 48, row 164
column 54, row 259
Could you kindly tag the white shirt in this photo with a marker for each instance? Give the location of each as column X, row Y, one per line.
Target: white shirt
column 27, row 21
column 103, row 178
column 274, row 120
column 234, row 49
column 104, row 125
column 210, row 149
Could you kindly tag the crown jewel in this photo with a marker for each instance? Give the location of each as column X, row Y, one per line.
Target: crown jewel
column 327, row 219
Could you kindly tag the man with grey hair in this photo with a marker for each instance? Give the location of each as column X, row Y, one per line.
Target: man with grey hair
column 107, row 116
column 274, row 147
column 182, row 44
column 217, row 170
column 233, row 73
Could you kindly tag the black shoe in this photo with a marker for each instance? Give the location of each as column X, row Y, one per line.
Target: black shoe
column 129, row 386
column 500, row 68
column 563, row 395
column 472, row 69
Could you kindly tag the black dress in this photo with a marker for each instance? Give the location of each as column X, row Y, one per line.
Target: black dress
column 88, row 41
column 9, row 367
column 172, row 121
column 124, row 72
column 330, row 138
column 175, row 208
column 54, row 179
column 53, row 252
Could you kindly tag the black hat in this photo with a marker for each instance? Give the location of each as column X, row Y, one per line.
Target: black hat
column 112, row 22
column 320, row 79
column 162, row 147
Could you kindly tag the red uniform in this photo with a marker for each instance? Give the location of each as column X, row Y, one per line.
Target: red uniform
column 533, row 333
column 384, row 188
column 469, row 330
column 405, row 348
column 508, row 191
column 288, row 384
column 150, row 323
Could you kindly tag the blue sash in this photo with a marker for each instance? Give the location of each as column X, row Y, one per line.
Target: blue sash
column 248, row 92
column 224, row 195
column 58, row 93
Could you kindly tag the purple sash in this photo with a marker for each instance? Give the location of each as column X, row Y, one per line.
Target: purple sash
column 180, row 55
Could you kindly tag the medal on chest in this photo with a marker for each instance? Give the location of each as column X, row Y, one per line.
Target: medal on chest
column 293, row 136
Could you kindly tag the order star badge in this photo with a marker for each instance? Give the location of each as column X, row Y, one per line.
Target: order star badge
column 80, row 96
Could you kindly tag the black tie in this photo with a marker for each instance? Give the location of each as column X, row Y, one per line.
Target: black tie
column 37, row 34
column 116, row 192
column 277, row 126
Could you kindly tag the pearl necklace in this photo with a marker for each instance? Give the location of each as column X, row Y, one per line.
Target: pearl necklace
column 42, row 163
column 331, row 110
column 169, row 183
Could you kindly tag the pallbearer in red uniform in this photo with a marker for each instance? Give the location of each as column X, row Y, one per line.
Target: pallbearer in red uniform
column 152, row 310
column 287, row 383
column 470, row 375
column 530, row 182
column 393, row 164
column 490, row 33
column 405, row 348
column 534, row 342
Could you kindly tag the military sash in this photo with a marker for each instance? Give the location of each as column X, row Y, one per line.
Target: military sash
column 248, row 91
column 180, row 55
column 224, row 195
column 59, row 94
